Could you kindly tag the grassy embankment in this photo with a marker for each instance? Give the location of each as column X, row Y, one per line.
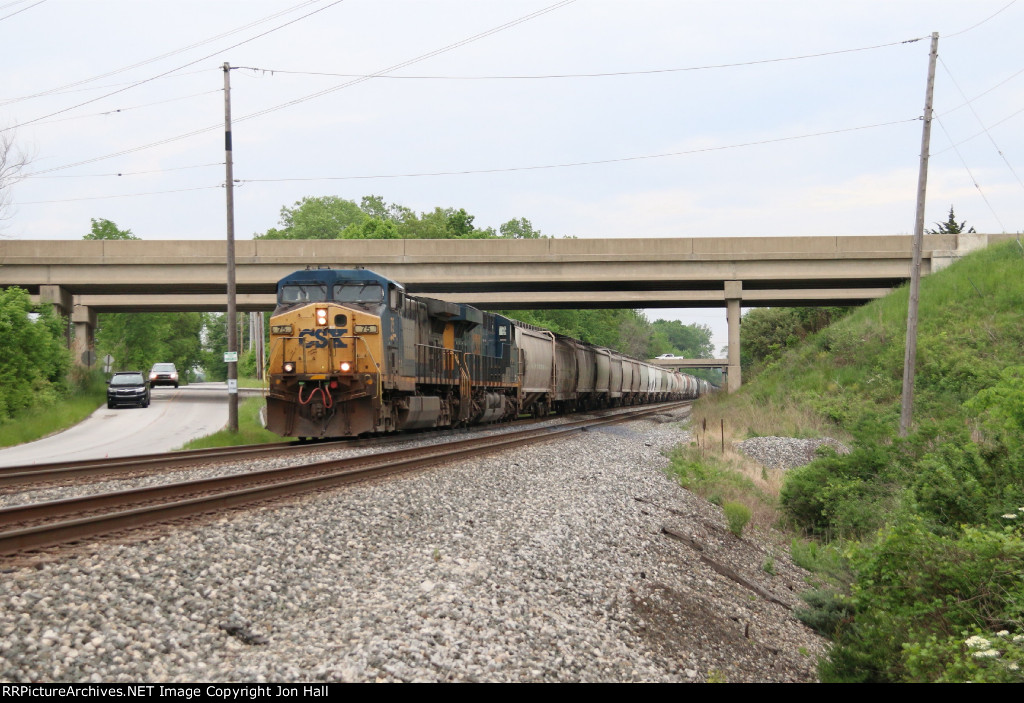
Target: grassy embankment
column 38, row 421
column 919, row 534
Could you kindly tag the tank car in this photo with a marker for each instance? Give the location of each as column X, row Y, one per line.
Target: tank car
column 352, row 353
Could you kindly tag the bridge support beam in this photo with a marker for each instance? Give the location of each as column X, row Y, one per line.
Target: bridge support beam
column 733, row 296
column 84, row 319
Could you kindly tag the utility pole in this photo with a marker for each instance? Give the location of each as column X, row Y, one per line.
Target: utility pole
column 231, row 313
column 910, row 348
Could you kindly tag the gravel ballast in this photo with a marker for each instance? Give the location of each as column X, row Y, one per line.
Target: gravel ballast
column 575, row 560
column 786, row 452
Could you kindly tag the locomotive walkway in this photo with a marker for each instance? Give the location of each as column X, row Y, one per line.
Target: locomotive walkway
column 86, row 277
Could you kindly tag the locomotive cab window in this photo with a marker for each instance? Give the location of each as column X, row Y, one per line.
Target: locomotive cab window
column 303, row 293
column 358, row 293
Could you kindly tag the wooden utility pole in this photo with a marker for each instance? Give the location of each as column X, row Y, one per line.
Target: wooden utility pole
column 910, row 348
column 231, row 321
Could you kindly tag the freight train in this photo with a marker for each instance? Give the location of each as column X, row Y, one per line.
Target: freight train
column 352, row 353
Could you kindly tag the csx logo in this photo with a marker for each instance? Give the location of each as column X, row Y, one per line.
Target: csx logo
column 320, row 337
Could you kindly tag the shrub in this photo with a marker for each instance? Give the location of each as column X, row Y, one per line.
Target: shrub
column 916, row 586
column 737, row 515
column 841, row 495
column 826, row 609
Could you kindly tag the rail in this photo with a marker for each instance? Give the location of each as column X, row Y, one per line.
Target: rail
column 38, row 525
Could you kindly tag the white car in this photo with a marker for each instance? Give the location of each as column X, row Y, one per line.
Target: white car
column 163, row 375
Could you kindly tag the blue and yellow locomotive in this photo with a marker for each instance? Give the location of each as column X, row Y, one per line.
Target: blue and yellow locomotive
column 351, row 353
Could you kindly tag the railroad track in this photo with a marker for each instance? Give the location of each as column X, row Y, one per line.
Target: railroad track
column 39, row 525
column 65, row 472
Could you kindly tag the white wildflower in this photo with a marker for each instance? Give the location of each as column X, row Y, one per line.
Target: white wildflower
column 1010, row 516
column 976, row 641
column 1003, row 633
column 987, row 654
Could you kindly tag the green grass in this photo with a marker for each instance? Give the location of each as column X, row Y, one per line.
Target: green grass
column 37, row 422
column 725, row 480
column 926, row 555
column 969, row 330
column 249, row 430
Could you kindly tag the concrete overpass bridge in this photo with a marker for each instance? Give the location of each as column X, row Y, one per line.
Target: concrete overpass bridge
column 83, row 278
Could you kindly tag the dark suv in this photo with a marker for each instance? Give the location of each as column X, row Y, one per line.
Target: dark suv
column 163, row 375
column 128, row 388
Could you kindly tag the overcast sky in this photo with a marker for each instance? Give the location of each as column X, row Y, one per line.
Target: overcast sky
column 704, row 130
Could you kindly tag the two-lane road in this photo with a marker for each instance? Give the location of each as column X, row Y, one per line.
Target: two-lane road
column 175, row 416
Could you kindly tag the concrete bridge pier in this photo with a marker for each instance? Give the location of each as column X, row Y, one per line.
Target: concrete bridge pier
column 61, row 299
column 84, row 319
column 733, row 297
column 58, row 296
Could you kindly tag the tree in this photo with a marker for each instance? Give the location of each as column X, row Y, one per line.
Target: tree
column 35, row 362
column 216, row 336
column 105, row 229
column 519, row 229
column 325, row 217
column 689, row 341
column 951, row 226
column 768, row 332
column 12, row 166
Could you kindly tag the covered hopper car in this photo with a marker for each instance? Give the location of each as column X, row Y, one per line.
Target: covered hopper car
column 352, row 353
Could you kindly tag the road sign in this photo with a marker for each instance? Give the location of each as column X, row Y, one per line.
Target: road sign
column 230, row 356
column 108, row 363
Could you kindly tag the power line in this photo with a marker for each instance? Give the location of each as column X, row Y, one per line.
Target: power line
column 979, row 95
column 971, row 175
column 134, row 173
column 978, row 134
column 120, row 110
column 983, row 127
column 169, row 54
column 40, row 2
column 124, row 195
column 409, row 62
column 296, row 101
column 106, row 86
column 173, row 70
column 594, row 162
column 973, row 26
column 274, row 71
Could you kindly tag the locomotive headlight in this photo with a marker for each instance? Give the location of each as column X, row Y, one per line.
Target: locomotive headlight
column 289, row 367
column 321, row 317
column 345, row 367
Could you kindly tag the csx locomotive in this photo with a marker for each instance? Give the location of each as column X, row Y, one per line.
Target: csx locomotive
column 352, row 353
